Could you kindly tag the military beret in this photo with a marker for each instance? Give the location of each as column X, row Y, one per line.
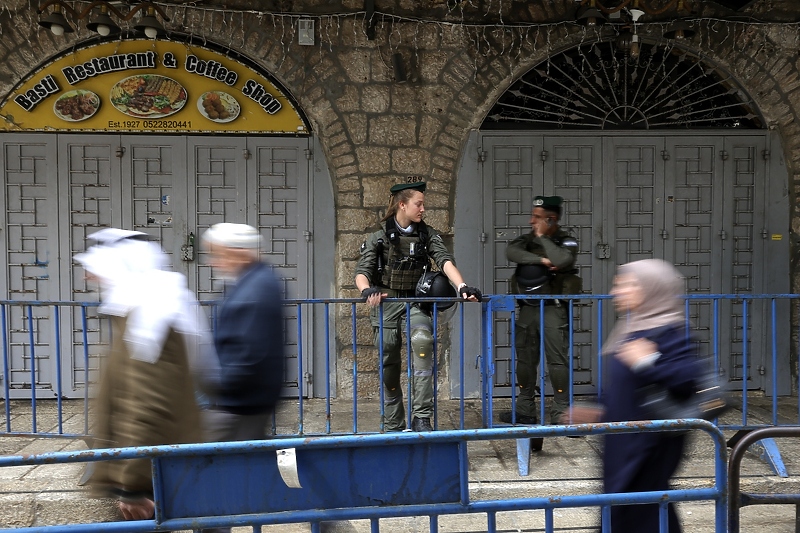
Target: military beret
column 548, row 202
column 418, row 186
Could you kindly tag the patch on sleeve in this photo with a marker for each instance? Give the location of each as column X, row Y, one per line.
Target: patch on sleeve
column 437, row 237
column 364, row 247
column 569, row 242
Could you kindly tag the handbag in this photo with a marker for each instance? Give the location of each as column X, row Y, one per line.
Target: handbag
column 709, row 400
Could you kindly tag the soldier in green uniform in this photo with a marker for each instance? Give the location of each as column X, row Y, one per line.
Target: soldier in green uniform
column 552, row 247
column 392, row 261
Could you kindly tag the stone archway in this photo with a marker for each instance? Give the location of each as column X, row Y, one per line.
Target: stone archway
column 601, row 85
column 601, row 102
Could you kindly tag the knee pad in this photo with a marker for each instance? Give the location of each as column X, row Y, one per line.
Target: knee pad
column 422, row 342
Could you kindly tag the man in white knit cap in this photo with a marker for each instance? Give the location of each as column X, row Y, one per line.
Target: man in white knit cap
column 248, row 337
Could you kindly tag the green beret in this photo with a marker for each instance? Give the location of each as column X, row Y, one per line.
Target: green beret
column 417, row 186
column 548, row 202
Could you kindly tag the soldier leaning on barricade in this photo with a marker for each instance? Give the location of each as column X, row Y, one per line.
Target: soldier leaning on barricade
column 545, row 260
column 394, row 261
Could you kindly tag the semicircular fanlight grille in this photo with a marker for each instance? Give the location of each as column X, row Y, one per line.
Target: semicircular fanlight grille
column 598, row 86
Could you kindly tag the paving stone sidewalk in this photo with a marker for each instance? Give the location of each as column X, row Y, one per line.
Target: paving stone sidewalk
column 50, row 494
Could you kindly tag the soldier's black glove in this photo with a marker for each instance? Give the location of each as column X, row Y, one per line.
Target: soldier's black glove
column 369, row 291
column 466, row 292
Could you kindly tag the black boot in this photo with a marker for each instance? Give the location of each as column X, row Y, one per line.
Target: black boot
column 421, row 424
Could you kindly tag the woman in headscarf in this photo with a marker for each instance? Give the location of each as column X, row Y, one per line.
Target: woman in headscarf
column 146, row 395
column 648, row 345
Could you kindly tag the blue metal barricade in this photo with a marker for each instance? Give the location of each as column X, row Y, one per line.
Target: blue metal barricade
column 74, row 330
column 774, row 324
column 348, row 477
column 737, row 499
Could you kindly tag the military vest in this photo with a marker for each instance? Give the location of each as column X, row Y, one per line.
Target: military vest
column 406, row 257
column 568, row 281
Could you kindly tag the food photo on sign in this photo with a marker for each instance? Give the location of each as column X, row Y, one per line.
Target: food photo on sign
column 140, row 86
column 148, row 96
column 76, row 105
column 218, row 106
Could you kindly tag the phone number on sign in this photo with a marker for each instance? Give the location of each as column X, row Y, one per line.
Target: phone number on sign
column 151, row 124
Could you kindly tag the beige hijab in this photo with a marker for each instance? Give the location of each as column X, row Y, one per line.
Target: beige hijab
column 662, row 286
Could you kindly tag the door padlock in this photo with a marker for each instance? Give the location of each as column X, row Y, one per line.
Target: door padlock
column 187, row 250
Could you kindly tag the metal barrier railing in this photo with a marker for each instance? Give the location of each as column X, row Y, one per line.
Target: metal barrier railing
column 256, row 494
column 34, row 335
column 25, row 325
column 738, row 499
column 704, row 318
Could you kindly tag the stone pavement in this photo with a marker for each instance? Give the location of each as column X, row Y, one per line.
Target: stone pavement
column 50, row 494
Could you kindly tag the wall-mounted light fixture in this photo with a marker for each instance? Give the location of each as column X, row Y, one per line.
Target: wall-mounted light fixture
column 102, row 23
column 596, row 12
column 148, row 23
column 624, row 40
column 588, row 15
column 679, row 29
column 649, row 7
column 636, row 14
column 55, row 21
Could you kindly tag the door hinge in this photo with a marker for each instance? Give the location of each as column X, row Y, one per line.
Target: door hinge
column 544, row 155
column 764, row 233
column 762, row 370
column 309, row 154
column 483, row 237
column 765, row 154
column 307, row 234
column 723, row 234
column 664, row 234
column 481, row 155
column 246, row 153
column 120, row 151
column 664, row 155
column 723, row 154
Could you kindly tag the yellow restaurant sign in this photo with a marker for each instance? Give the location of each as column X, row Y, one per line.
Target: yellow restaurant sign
column 149, row 86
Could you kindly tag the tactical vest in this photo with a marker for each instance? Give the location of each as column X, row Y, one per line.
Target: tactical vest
column 407, row 257
column 566, row 282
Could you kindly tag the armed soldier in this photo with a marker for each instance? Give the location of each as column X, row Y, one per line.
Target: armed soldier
column 545, row 260
column 393, row 260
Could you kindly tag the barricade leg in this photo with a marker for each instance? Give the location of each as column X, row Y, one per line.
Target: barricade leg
column 765, row 449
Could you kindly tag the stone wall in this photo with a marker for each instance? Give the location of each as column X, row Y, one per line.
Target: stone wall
column 375, row 130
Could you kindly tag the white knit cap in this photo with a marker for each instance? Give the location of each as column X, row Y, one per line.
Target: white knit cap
column 232, row 235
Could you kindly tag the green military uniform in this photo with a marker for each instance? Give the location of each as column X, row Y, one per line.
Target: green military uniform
column 561, row 249
column 402, row 258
